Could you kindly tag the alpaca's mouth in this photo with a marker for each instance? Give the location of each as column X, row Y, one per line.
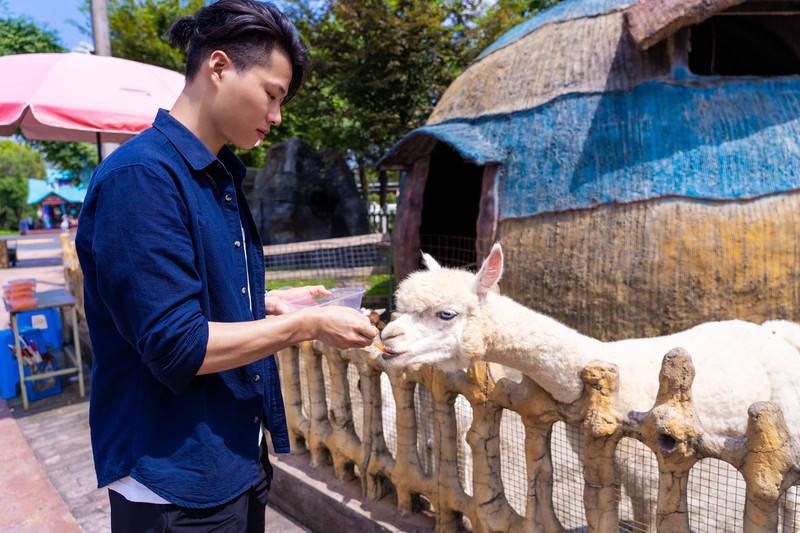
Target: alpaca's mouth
column 386, row 353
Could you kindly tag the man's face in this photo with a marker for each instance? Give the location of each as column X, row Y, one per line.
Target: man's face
column 249, row 102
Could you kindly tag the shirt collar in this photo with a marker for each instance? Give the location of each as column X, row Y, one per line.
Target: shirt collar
column 196, row 154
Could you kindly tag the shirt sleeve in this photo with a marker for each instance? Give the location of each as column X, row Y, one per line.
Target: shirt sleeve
column 146, row 271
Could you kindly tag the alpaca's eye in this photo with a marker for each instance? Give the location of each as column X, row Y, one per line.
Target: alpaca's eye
column 447, row 315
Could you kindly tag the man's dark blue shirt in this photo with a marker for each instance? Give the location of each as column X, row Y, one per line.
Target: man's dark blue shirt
column 160, row 245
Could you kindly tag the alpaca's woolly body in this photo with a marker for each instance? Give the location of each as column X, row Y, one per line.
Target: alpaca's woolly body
column 736, row 363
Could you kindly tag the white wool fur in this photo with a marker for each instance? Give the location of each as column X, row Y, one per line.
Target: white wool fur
column 449, row 318
column 736, row 363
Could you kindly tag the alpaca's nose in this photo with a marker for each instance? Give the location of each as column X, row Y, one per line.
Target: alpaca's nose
column 389, row 332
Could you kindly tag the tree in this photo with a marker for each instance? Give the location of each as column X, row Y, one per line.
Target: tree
column 67, row 155
column 17, row 163
column 138, row 29
column 380, row 66
column 23, row 36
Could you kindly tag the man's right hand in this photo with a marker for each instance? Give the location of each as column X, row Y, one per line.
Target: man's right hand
column 339, row 326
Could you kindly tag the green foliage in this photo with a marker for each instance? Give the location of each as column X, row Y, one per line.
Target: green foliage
column 138, row 30
column 67, row 155
column 391, row 198
column 22, row 36
column 376, row 285
column 17, row 163
column 380, row 66
column 504, row 15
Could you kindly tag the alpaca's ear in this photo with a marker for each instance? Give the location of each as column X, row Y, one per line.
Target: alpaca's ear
column 430, row 262
column 490, row 271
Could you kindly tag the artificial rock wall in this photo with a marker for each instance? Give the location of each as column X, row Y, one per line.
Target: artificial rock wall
column 302, row 195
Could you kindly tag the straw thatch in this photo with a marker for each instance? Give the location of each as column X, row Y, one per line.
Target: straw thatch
column 527, row 73
column 652, row 21
column 582, row 125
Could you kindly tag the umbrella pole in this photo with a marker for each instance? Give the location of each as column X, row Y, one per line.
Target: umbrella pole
column 99, row 149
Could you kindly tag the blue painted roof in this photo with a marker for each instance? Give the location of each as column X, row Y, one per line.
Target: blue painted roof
column 568, row 9
column 464, row 137
column 726, row 140
column 57, row 183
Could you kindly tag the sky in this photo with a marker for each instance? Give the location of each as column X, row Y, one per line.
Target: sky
column 52, row 15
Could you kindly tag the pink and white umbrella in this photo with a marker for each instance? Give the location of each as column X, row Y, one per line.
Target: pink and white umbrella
column 82, row 97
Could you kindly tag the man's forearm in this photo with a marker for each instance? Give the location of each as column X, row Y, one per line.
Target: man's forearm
column 234, row 344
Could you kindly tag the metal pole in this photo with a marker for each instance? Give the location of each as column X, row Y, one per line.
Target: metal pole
column 102, row 41
column 102, row 47
column 18, row 353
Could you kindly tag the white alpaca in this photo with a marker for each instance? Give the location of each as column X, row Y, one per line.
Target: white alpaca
column 450, row 318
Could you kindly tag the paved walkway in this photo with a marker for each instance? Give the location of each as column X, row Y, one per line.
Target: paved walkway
column 47, row 480
column 29, row 501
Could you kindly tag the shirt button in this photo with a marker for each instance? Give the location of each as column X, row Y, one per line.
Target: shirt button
column 244, row 290
column 255, row 420
column 256, row 378
column 237, row 244
column 228, row 197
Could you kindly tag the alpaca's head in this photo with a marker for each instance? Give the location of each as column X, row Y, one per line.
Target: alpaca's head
column 441, row 314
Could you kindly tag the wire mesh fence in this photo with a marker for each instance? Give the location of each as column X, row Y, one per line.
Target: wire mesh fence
column 389, row 415
column 356, row 399
column 513, row 470
column 566, row 452
column 423, row 410
column 463, row 411
column 789, row 510
column 716, row 497
column 716, row 491
column 451, row 251
column 347, row 256
column 638, row 480
column 362, row 261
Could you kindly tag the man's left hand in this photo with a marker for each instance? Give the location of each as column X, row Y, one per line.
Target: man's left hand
column 276, row 301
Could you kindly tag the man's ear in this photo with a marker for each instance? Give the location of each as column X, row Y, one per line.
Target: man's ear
column 490, row 272
column 430, row 262
column 216, row 64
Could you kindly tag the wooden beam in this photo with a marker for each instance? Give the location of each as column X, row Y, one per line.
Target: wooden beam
column 338, row 273
column 651, row 21
column 409, row 219
column 325, row 244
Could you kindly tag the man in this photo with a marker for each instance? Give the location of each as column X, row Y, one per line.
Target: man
column 182, row 378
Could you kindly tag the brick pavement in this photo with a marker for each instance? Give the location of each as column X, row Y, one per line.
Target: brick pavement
column 29, row 502
column 47, row 480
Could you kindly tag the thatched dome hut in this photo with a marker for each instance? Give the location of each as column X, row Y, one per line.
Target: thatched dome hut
column 638, row 160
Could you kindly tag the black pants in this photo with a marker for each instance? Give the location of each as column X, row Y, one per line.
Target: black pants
column 245, row 513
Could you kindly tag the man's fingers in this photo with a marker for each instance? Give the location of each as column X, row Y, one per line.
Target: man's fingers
column 320, row 289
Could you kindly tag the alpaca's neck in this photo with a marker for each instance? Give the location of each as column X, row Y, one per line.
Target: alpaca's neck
column 540, row 347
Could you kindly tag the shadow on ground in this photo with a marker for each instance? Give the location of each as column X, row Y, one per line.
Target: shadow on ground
column 38, row 262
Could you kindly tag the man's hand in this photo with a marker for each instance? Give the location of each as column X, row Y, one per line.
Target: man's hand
column 341, row 327
column 276, row 301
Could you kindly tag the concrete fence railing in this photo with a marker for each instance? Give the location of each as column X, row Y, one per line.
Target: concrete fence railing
column 347, row 412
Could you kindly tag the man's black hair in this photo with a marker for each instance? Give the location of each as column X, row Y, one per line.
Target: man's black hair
column 247, row 31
